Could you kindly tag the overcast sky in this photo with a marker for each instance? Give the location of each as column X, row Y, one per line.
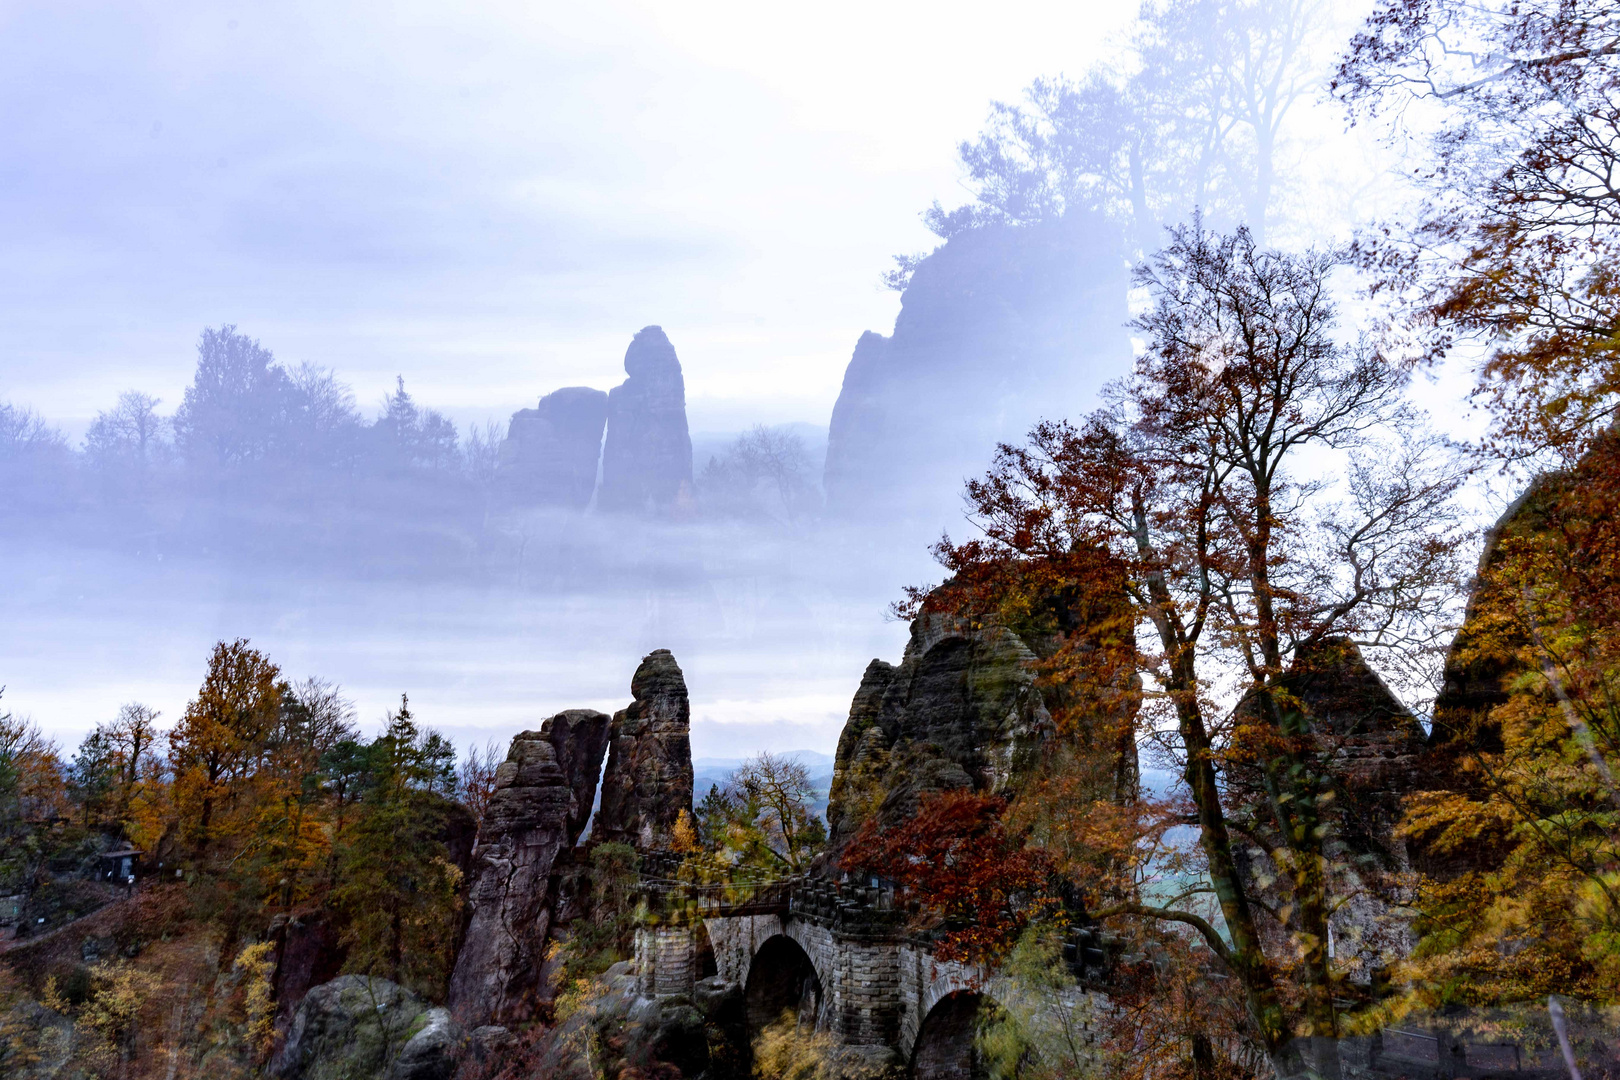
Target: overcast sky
column 486, row 198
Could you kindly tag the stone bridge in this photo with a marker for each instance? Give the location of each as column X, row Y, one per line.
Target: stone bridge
column 836, row 956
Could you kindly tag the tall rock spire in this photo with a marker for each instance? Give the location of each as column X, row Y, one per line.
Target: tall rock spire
column 647, row 458
column 542, row 798
column 648, row 780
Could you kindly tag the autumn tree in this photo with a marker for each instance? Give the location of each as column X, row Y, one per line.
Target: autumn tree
column 1522, row 837
column 31, row 792
column 475, row 779
column 1514, row 244
column 292, row 840
column 220, row 741
column 764, row 816
column 1207, row 478
column 971, row 878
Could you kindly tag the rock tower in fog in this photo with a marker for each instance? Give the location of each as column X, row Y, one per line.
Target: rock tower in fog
column 647, row 458
column 550, row 454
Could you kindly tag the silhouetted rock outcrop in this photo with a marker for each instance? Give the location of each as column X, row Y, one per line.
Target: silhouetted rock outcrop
column 647, row 457
column 648, row 780
column 998, row 328
column 550, row 453
column 542, row 799
column 966, row 709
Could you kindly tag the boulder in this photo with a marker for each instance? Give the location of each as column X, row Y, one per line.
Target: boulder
column 647, row 456
column 542, row 799
column 431, row 1051
column 648, row 780
column 550, row 453
column 351, row 1028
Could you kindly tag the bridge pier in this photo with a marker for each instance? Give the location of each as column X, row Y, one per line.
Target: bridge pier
column 666, row 959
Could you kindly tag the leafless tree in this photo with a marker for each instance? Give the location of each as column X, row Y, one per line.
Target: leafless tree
column 776, row 795
column 475, row 780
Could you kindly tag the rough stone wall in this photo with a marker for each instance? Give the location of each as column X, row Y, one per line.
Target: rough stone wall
column 648, row 780
column 665, row 960
column 875, row 992
column 543, row 795
column 647, row 456
column 551, row 452
column 865, row 1004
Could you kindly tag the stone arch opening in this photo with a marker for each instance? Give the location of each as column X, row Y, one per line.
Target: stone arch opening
column 781, row 979
column 947, row 1045
column 704, row 964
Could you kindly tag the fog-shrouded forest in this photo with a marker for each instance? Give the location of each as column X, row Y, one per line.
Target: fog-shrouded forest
column 1168, row 637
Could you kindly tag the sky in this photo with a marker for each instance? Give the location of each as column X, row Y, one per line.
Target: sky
column 490, row 198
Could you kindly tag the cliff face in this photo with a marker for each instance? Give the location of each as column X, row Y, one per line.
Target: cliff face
column 543, row 795
column 964, row 709
column 1375, row 757
column 550, row 453
column 647, row 458
column 999, row 327
column 648, row 779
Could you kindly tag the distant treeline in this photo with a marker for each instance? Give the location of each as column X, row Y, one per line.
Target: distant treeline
column 265, row 459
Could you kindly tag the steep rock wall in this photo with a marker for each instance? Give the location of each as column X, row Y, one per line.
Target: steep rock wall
column 965, row 708
column 542, row 799
column 551, row 452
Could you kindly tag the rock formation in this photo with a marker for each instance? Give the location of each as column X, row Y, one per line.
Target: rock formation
column 542, row 799
column 965, row 708
column 999, row 327
column 648, row 780
column 1374, row 752
column 647, row 458
column 550, row 453
column 357, row 1026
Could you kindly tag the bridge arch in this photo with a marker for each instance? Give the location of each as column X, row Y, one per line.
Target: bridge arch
column 947, row 1043
column 782, row 979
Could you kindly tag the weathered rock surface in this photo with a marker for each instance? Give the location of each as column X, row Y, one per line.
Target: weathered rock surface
column 354, row 1028
column 647, row 456
column 648, row 780
column 550, row 453
column 308, row 952
column 542, row 799
column 1375, row 753
column 998, row 328
column 964, row 709
column 431, row 1051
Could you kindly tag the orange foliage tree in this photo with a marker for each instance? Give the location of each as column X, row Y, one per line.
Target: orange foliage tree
column 218, row 744
column 1202, row 491
column 958, row 862
column 1517, row 239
